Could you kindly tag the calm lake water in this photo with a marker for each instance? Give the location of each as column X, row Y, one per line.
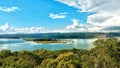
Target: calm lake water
column 19, row 44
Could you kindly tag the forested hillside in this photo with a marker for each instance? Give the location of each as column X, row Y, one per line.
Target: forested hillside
column 106, row 54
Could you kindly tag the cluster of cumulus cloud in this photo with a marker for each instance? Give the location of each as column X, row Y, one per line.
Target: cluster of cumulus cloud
column 7, row 29
column 105, row 17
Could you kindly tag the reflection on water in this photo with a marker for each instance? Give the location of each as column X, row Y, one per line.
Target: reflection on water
column 83, row 43
column 8, row 41
column 19, row 44
column 4, row 47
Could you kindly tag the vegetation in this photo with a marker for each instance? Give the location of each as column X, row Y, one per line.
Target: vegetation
column 106, row 54
column 46, row 41
column 73, row 35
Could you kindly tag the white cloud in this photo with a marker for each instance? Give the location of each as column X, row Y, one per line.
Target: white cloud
column 4, row 27
column 30, row 30
column 57, row 16
column 72, row 3
column 93, row 5
column 107, row 13
column 76, row 26
column 10, row 9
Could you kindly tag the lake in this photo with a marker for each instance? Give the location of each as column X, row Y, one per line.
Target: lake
column 19, row 45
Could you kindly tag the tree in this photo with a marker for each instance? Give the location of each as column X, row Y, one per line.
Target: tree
column 105, row 54
column 5, row 53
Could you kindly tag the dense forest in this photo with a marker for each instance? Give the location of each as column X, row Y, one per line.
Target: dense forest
column 106, row 54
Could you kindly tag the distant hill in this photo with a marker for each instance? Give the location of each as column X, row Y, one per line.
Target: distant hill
column 76, row 35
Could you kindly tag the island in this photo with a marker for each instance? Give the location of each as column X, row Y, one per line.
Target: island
column 47, row 41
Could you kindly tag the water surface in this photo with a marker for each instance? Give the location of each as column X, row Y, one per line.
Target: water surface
column 19, row 44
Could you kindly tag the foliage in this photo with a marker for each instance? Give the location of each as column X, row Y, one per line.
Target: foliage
column 106, row 54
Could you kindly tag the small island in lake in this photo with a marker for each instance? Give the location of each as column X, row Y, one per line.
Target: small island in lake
column 47, row 41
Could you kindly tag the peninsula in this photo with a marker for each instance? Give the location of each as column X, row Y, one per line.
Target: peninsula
column 47, row 41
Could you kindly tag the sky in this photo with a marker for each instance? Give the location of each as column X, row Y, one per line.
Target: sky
column 41, row 16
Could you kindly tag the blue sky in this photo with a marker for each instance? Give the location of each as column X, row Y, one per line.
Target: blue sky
column 59, row 15
column 36, row 13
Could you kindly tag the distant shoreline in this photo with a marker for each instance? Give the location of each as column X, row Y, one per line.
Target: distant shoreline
column 80, row 35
